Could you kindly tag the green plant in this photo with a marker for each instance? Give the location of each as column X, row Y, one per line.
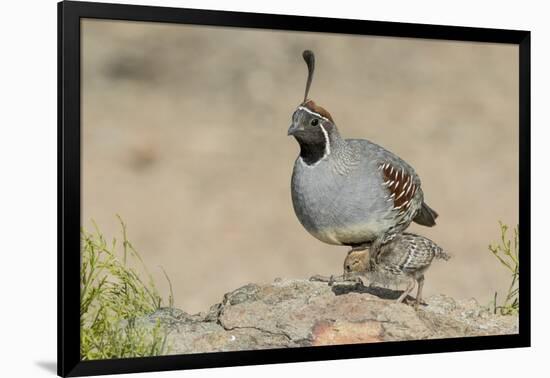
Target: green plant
column 112, row 296
column 507, row 252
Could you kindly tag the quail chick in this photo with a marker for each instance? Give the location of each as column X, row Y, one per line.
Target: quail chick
column 350, row 191
column 404, row 259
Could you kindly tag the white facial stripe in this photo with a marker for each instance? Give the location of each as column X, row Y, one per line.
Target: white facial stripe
column 311, row 112
column 327, row 141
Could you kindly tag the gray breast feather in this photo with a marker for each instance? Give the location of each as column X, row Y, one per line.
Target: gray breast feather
column 342, row 199
column 342, row 208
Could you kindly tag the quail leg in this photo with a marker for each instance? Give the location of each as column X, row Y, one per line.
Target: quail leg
column 406, row 291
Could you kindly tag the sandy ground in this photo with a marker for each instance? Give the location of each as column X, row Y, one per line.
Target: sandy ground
column 184, row 135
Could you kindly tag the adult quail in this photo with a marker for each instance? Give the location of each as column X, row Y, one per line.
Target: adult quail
column 403, row 259
column 350, row 191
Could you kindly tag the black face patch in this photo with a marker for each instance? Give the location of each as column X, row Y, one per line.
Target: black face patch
column 311, row 137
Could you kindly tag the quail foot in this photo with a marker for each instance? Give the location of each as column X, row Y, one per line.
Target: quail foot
column 404, row 259
column 350, row 191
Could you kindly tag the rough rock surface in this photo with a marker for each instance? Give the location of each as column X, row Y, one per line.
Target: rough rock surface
column 293, row 313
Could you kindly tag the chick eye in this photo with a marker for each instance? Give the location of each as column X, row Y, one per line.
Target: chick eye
column 314, row 122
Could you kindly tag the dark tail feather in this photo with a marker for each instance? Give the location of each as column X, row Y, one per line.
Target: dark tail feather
column 426, row 216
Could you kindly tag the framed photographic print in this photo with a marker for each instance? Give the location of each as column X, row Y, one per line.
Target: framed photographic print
column 239, row 188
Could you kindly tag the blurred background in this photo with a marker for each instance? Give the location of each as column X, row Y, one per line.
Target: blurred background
column 184, row 135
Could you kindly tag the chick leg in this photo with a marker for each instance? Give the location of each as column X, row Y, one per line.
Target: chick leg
column 420, row 281
column 407, row 291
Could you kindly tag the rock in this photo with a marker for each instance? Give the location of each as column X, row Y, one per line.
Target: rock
column 293, row 313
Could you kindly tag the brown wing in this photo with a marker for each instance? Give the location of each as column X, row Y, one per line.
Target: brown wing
column 401, row 185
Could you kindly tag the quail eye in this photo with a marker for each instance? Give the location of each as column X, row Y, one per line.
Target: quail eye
column 314, row 122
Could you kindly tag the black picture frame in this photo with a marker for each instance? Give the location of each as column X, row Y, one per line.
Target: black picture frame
column 69, row 154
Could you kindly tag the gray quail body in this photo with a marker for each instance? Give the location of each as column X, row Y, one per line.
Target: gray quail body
column 350, row 191
column 403, row 259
